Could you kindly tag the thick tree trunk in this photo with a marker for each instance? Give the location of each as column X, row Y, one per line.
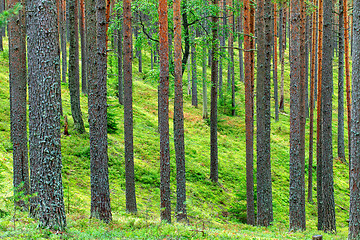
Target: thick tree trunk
column 128, row 111
column 63, row 40
column 264, row 188
column 354, row 220
column 214, row 175
column 179, row 119
column 44, row 114
column 74, row 67
column 341, row 143
column 326, row 102
column 297, row 153
column 100, row 195
column 164, row 114
column 18, row 87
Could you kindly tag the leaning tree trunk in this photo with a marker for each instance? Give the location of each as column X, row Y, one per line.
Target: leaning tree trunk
column 74, row 67
column 18, row 86
column 44, row 114
column 264, row 188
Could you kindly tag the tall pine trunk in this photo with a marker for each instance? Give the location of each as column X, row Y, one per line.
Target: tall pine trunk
column 44, row 114
column 249, row 113
column 163, row 109
column 74, row 67
column 83, row 46
column 264, row 188
column 354, row 220
column 128, row 111
column 326, row 102
column 297, row 155
column 214, row 175
column 18, row 87
column 179, row 119
column 100, row 194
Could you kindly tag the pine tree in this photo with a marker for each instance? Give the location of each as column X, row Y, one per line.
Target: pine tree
column 44, row 114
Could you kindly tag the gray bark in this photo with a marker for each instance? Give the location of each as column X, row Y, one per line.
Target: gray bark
column 44, row 114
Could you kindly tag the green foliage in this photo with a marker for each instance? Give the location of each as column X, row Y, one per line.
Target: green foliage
column 9, row 13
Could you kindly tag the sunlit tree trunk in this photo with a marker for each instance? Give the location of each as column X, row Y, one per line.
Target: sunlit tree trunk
column 83, row 47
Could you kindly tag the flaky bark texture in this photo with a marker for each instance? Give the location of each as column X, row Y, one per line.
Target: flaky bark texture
column 249, row 113
column 18, row 83
column 44, row 113
column 264, row 188
column 179, row 119
column 100, row 195
column 326, row 102
column 74, row 85
column 164, row 114
column 297, row 155
column 354, row 220
column 214, row 175
column 128, row 111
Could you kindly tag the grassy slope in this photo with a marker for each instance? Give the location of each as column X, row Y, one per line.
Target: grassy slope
column 215, row 210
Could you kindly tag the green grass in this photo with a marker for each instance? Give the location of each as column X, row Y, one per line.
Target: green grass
column 216, row 211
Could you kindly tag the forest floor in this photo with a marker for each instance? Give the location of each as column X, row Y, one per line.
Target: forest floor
column 216, row 211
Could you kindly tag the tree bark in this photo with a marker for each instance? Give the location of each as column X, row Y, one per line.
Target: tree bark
column 74, row 67
column 327, row 90
column 249, row 113
column 100, row 194
column 179, row 119
column 120, row 57
column 164, row 114
column 83, row 47
column 44, row 114
column 297, row 153
column 128, row 111
column 264, row 188
column 214, row 176
column 354, row 220
column 275, row 75
column 194, row 72
column 18, row 87
column 341, row 143
column 347, row 73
